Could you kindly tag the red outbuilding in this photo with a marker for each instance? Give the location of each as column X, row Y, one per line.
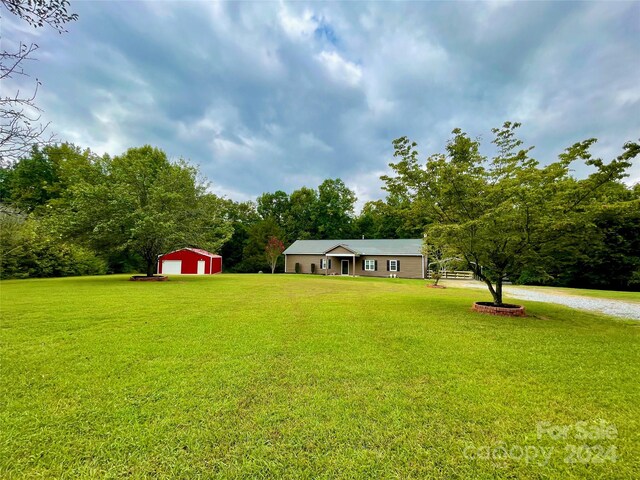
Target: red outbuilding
column 189, row 261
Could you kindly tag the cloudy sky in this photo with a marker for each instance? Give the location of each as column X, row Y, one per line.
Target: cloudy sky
column 275, row 95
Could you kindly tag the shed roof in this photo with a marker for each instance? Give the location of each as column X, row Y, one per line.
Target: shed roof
column 412, row 246
column 195, row 250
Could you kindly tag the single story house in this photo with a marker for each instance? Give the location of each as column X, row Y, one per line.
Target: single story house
column 189, row 261
column 371, row 258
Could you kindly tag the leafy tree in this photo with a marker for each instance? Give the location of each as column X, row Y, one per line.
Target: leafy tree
column 242, row 215
column 143, row 203
column 335, row 209
column 27, row 249
column 273, row 250
column 301, row 218
column 44, row 175
column 273, row 205
column 394, row 217
column 374, row 221
column 19, row 114
column 605, row 253
column 32, row 181
column 498, row 213
column 440, row 258
column 253, row 254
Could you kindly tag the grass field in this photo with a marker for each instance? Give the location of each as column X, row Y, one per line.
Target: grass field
column 260, row 376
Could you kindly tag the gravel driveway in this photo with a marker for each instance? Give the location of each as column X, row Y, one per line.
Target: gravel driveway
column 616, row 308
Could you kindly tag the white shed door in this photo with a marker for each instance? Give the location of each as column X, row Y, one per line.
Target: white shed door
column 171, row 267
column 200, row 267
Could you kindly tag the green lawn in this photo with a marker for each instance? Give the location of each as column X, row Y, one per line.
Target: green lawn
column 260, row 376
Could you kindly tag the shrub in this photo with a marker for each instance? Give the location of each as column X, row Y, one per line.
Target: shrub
column 313, row 268
column 297, row 268
column 26, row 250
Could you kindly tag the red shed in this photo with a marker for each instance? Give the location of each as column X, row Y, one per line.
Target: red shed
column 189, row 261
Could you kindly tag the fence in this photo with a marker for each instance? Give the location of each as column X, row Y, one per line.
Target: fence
column 454, row 275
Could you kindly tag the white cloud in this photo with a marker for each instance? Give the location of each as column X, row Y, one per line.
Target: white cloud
column 339, row 69
column 311, row 142
column 297, row 27
column 627, row 96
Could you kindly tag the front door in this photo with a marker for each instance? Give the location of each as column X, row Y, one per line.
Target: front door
column 345, row 267
column 200, row 267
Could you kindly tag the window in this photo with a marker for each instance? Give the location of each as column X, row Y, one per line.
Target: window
column 324, row 265
column 393, row 265
column 370, row 265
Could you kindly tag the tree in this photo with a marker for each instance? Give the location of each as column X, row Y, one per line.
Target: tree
column 603, row 254
column 27, row 249
column 497, row 214
column 32, row 181
column 335, row 209
column 273, row 205
column 440, row 258
column 242, row 215
column 144, row 203
column 253, row 254
column 301, row 218
column 394, row 217
column 19, row 114
column 273, row 249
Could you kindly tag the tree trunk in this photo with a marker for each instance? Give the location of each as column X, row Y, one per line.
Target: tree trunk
column 497, row 298
column 273, row 268
column 150, row 268
column 496, row 292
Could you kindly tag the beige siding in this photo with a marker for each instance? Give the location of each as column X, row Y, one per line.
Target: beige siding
column 410, row 266
column 305, row 262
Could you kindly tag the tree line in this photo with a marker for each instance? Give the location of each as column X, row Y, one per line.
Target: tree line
column 69, row 211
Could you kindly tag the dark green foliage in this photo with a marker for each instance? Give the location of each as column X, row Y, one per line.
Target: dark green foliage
column 501, row 214
column 394, row 217
column 33, row 181
column 301, row 221
column 605, row 254
column 242, row 215
column 28, row 250
column 143, row 203
column 305, row 214
column 128, row 209
column 273, row 206
column 253, row 254
column 335, row 213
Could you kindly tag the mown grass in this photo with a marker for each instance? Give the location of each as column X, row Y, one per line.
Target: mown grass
column 260, row 376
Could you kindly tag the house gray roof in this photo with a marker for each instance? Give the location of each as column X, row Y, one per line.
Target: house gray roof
column 411, row 246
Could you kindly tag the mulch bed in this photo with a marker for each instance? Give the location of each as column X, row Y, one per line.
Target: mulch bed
column 144, row 278
column 507, row 309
